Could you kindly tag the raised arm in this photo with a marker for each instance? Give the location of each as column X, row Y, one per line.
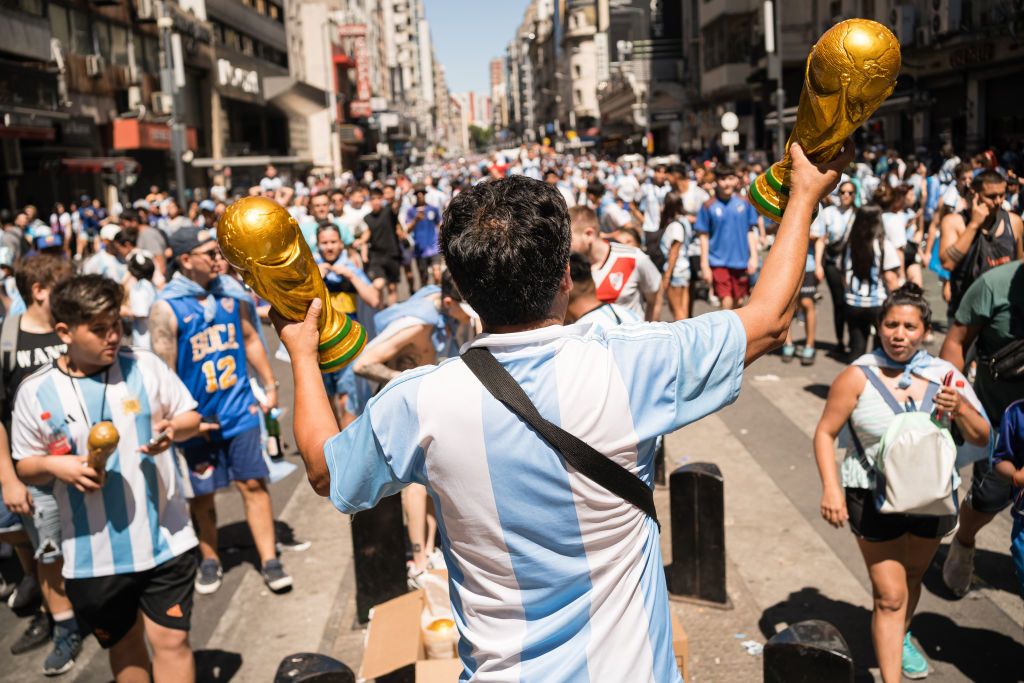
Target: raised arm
column 256, row 356
column 767, row 316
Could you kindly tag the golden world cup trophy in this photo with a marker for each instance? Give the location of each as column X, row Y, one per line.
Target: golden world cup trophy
column 102, row 442
column 261, row 239
column 851, row 70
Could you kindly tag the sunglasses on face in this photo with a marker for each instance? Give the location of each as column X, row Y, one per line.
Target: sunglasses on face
column 212, row 254
column 850, row 192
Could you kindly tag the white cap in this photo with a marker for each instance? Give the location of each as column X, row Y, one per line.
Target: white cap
column 110, row 231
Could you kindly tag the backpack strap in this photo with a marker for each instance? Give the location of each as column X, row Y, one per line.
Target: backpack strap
column 883, row 390
column 583, row 457
column 929, row 397
column 859, row 448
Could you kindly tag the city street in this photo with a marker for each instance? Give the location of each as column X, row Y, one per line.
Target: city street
column 785, row 564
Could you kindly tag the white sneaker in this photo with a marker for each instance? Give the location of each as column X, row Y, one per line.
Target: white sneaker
column 958, row 569
column 436, row 560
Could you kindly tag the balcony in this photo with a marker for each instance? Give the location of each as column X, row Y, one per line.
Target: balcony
column 24, row 35
column 725, row 80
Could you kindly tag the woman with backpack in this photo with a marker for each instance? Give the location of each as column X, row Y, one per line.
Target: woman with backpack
column 897, row 405
column 676, row 235
column 871, row 267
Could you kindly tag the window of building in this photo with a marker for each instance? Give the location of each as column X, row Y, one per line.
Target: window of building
column 261, row 6
column 81, row 43
column 59, row 25
column 33, row 7
column 727, row 40
column 101, row 30
column 118, row 45
column 248, row 47
column 275, row 13
column 578, row 71
column 232, row 39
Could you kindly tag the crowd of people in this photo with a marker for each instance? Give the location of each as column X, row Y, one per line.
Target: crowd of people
column 129, row 313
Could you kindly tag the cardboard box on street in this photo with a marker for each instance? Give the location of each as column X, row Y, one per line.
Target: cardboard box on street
column 394, row 646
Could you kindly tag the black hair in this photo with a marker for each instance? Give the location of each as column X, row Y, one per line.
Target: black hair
column 867, row 231
column 83, row 298
column 376, row 192
column 678, row 169
column 724, row 170
column 909, row 294
column 579, row 269
column 448, row 287
column 672, row 209
column 328, row 225
column 595, row 188
column 506, row 243
column 986, row 177
column 140, row 265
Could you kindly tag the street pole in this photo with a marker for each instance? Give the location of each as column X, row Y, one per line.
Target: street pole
column 168, row 84
column 773, row 46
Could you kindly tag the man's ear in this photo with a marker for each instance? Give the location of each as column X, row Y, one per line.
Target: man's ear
column 566, row 284
column 63, row 332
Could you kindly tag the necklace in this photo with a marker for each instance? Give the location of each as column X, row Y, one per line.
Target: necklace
column 81, row 403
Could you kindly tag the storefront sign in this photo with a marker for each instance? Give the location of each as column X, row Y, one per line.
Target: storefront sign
column 231, row 76
column 135, row 134
column 79, row 131
column 361, row 106
column 970, row 55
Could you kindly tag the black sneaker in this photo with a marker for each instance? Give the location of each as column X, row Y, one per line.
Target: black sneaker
column 208, row 578
column 36, row 635
column 26, row 594
column 67, row 643
column 275, row 576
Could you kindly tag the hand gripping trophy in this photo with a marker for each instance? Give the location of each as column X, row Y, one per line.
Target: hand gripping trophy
column 851, row 70
column 261, row 240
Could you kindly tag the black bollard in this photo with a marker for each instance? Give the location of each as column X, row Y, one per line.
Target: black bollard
column 378, row 549
column 697, row 504
column 308, row 667
column 659, row 463
column 808, row 652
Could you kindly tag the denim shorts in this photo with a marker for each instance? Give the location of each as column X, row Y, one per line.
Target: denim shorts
column 9, row 521
column 43, row 526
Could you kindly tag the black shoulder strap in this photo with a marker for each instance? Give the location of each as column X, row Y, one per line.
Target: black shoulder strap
column 578, row 454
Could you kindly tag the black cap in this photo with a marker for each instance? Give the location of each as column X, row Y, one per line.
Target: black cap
column 187, row 238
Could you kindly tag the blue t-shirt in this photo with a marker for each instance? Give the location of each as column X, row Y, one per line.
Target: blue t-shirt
column 424, row 231
column 727, row 225
column 212, row 364
column 1010, row 446
column 550, row 573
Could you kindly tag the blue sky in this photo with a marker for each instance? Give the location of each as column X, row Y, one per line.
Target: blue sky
column 467, row 35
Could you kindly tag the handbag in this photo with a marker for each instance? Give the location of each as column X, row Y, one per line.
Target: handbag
column 578, row 454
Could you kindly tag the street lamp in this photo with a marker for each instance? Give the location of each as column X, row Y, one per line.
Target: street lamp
column 169, row 84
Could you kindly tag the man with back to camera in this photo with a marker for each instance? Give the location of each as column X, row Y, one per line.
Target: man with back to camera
column 551, row 575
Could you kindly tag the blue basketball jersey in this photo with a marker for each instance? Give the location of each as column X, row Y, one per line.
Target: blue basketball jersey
column 211, row 363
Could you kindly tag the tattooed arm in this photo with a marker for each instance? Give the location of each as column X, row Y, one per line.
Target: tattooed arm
column 372, row 362
column 163, row 331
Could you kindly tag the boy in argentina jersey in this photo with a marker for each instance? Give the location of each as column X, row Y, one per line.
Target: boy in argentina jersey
column 126, row 534
column 204, row 329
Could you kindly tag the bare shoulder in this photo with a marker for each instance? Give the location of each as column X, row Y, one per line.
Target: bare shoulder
column 953, row 222
column 162, row 315
column 850, row 382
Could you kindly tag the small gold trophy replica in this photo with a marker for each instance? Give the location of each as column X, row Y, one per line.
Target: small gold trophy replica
column 851, row 70
column 261, row 239
column 103, row 440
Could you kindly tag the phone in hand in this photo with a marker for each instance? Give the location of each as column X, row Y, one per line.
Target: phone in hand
column 155, row 441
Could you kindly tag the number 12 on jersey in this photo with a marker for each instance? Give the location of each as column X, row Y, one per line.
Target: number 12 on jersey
column 225, row 380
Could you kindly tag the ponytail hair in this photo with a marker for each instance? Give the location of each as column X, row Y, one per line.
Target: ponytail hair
column 909, row 294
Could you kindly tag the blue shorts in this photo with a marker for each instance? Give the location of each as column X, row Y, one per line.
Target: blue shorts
column 341, row 382
column 1017, row 550
column 9, row 521
column 216, row 464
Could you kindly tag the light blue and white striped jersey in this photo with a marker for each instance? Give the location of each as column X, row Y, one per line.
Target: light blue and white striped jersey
column 552, row 577
column 871, row 292
column 606, row 316
column 139, row 519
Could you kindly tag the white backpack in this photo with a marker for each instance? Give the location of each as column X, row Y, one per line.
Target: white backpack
column 916, row 460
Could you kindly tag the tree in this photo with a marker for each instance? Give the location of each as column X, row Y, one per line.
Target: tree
column 481, row 137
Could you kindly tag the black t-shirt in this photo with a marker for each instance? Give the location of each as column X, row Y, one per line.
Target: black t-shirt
column 383, row 239
column 33, row 351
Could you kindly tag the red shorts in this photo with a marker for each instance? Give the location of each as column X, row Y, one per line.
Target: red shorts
column 731, row 283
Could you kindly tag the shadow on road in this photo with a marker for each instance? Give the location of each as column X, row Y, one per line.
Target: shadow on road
column 235, row 544
column 993, row 569
column 217, row 665
column 819, row 390
column 852, row 621
column 979, row 654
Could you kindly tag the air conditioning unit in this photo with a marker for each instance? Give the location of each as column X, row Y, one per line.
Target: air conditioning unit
column 134, row 97
column 145, row 10
column 903, row 19
column 946, row 16
column 161, row 103
column 93, row 65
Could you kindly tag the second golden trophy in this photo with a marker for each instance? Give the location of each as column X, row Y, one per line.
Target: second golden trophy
column 851, row 70
column 261, row 239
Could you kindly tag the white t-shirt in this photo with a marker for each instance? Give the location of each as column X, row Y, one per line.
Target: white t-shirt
column 615, row 217
column 895, row 225
column 678, row 231
column 141, row 296
column 626, row 277
column 140, row 518
column 354, row 218
column 693, row 199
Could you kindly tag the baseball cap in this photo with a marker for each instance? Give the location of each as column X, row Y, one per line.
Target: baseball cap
column 207, row 205
column 186, row 239
column 48, row 241
column 110, row 231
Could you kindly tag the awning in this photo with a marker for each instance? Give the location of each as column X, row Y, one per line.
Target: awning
column 135, row 134
column 789, row 113
column 294, row 97
column 100, row 164
column 257, row 160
